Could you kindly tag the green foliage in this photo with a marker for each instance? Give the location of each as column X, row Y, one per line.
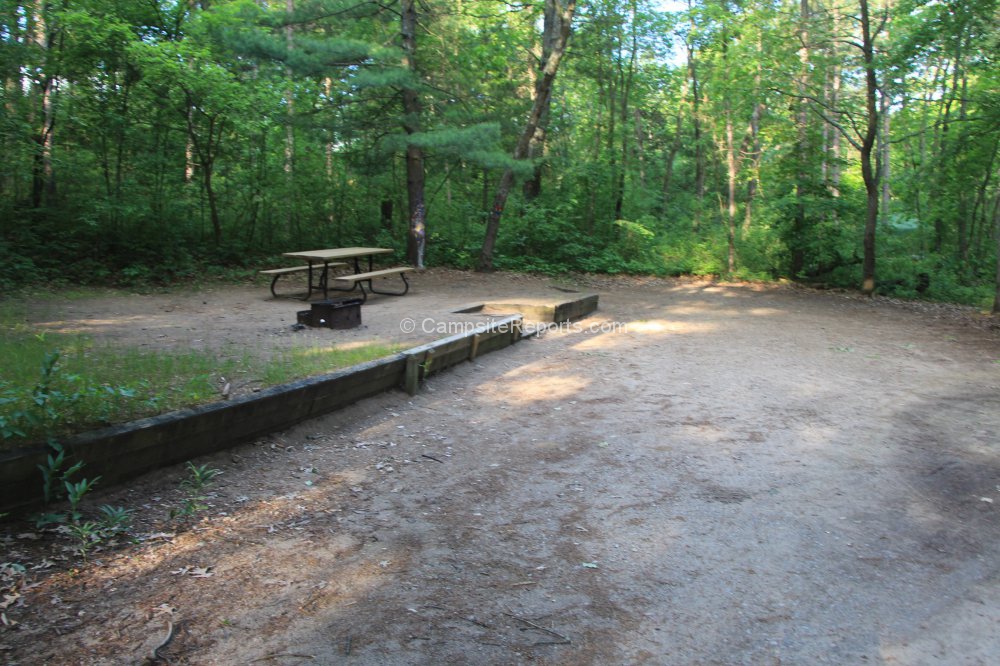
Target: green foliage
column 190, row 141
column 199, row 478
column 75, row 492
column 55, row 479
column 87, row 535
column 691, row 257
column 115, row 519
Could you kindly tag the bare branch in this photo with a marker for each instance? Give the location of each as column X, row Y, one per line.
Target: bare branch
column 852, row 138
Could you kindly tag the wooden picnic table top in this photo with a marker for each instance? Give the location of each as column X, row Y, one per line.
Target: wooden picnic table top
column 337, row 253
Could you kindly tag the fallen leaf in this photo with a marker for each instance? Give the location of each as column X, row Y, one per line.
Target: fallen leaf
column 158, row 535
column 164, row 609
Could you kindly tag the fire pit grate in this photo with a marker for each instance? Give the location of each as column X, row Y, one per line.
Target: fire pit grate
column 335, row 313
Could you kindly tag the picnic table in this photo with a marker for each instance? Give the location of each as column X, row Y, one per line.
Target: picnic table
column 320, row 262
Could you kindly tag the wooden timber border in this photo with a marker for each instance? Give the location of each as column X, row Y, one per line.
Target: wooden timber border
column 123, row 452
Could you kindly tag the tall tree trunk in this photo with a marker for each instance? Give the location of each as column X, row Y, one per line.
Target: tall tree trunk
column 980, row 216
column 43, row 35
column 12, row 90
column 699, row 149
column 416, row 237
column 205, row 148
column 189, row 151
column 627, row 78
column 835, row 140
column 564, row 10
column 207, row 166
column 290, row 213
column 536, row 147
column 884, row 166
column 996, row 231
column 868, row 173
column 832, row 148
column 329, row 147
column 964, row 233
column 940, row 176
column 883, row 153
column 675, row 145
column 731, row 190
column 640, row 152
column 753, row 150
column 797, row 244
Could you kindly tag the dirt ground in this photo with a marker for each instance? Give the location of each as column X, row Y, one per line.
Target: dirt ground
column 697, row 474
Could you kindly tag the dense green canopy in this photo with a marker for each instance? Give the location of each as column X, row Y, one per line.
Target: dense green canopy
column 745, row 138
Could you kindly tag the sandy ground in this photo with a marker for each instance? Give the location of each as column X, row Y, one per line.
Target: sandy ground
column 698, row 474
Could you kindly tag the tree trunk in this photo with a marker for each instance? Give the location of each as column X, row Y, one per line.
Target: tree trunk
column 640, row 153
column 964, row 233
column 753, row 141
column 290, row 213
column 416, row 238
column 627, row 78
column 884, row 167
column 996, row 227
column 543, row 98
column 868, row 173
column 43, row 177
column 213, row 204
column 189, row 151
column 980, row 216
column 329, row 148
column 832, row 153
column 797, row 239
column 835, row 141
column 731, row 190
column 675, row 145
column 385, row 213
column 883, row 154
column 699, row 150
column 536, row 147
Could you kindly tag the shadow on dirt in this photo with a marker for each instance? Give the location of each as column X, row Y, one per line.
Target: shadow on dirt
column 951, row 463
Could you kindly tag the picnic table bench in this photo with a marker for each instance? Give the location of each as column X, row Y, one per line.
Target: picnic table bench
column 278, row 272
column 357, row 281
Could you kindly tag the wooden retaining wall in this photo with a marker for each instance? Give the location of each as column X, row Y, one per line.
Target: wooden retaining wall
column 122, row 452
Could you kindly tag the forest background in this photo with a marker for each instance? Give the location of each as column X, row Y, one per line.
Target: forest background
column 844, row 142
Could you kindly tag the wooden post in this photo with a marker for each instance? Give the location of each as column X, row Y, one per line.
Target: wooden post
column 428, row 359
column 474, row 347
column 412, row 378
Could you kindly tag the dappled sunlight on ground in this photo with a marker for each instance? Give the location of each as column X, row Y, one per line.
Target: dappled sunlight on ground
column 541, row 386
column 93, row 325
column 642, row 331
column 715, row 312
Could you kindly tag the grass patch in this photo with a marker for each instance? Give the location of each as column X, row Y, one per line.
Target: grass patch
column 52, row 385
